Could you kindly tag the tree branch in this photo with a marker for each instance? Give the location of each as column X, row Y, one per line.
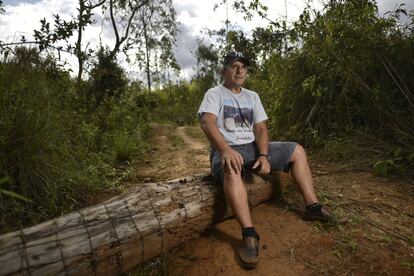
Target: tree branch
column 111, row 12
column 34, row 42
column 119, row 41
column 91, row 7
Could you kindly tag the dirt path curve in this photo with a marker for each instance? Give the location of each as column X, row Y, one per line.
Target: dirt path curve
column 377, row 240
column 194, row 144
column 174, row 153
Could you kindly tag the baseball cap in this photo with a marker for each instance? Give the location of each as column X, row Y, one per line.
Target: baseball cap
column 232, row 56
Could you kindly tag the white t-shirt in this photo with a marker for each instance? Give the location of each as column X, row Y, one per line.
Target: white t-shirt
column 236, row 113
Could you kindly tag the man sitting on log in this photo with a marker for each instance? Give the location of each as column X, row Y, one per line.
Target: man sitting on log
column 234, row 121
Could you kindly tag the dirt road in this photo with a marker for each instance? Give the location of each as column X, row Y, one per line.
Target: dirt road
column 378, row 238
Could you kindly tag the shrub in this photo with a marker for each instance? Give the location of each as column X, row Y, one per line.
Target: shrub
column 54, row 154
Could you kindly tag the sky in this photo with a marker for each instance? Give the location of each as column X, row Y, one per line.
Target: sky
column 23, row 16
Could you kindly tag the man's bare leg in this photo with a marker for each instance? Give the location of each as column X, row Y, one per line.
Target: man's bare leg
column 236, row 196
column 302, row 175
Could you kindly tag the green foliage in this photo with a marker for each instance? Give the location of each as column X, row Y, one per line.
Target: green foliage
column 155, row 40
column 341, row 74
column 107, row 78
column 398, row 161
column 340, row 79
column 32, row 138
column 208, row 64
column 63, row 30
column 7, row 180
column 349, row 74
column 54, row 154
column 383, row 167
column 124, row 147
column 123, row 128
column 179, row 103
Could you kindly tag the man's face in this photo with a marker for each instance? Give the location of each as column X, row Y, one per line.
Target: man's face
column 235, row 74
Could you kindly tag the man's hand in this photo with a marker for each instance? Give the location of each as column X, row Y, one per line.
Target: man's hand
column 232, row 161
column 262, row 165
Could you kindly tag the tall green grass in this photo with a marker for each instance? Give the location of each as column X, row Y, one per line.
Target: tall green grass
column 56, row 152
column 42, row 150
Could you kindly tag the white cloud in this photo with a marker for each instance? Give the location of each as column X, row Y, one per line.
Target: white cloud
column 184, row 50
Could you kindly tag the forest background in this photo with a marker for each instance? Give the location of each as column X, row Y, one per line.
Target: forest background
column 338, row 80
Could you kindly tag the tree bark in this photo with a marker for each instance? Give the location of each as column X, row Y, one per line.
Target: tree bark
column 78, row 45
column 125, row 231
column 147, row 57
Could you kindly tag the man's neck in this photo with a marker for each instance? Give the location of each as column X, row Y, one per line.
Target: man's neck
column 233, row 89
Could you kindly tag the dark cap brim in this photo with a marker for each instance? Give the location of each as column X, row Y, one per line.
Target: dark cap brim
column 230, row 60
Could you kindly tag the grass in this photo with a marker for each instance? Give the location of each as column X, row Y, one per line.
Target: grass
column 176, row 140
column 55, row 153
column 195, row 132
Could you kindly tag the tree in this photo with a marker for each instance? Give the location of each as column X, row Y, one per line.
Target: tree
column 146, row 26
column 207, row 61
column 254, row 6
column 274, row 33
column 64, row 30
column 154, row 37
column 169, row 63
column 107, row 77
column 83, row 19
column 144, row 22
column 2, row 11
column 125, row 11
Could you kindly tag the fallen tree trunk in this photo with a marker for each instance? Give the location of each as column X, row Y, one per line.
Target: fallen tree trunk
column 125, row 231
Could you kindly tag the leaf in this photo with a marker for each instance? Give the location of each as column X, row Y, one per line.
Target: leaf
column 15, row 195
column 401, row 11
column 397, row 151
column 411, row 157
column 381, row 168
column 6, row 180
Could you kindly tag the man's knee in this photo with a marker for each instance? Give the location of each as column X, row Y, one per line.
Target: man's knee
column 299, row 153
column 232, row 180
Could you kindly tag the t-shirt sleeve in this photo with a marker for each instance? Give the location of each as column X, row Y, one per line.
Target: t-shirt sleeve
column 210, row 104
column 259, row 112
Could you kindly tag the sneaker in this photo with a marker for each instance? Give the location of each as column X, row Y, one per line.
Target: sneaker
column 324, row 215
column 249, row 251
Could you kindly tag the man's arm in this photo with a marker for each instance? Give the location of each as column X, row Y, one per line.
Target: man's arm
column 230, row 159
column 262, row 143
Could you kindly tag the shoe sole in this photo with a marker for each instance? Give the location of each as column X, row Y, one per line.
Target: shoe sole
column 316, row 218
column 309, row 217
column 248, row 264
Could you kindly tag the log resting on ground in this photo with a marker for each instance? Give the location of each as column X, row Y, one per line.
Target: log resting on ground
column 114, row 236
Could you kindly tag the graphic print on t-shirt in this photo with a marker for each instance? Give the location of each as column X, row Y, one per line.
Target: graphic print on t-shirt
column 238, row 117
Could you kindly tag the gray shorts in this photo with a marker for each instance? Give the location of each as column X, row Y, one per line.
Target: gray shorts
column 279, row 153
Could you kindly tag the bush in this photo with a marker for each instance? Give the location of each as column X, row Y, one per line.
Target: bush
column 54, row 154
column 350, row 76
column 40, row 143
